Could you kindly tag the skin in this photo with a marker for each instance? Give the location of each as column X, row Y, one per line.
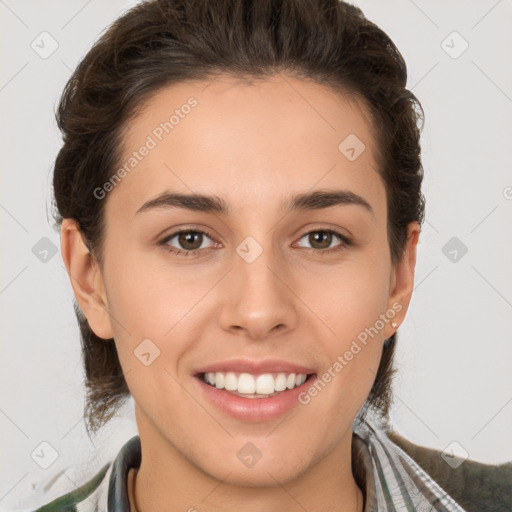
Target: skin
column 254, row 145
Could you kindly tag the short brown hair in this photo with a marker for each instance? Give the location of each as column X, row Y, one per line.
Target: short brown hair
column 158, row 43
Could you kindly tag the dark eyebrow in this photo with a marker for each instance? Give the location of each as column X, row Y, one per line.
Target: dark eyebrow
column 195, row 202
column 325, row 199
column 317, row 200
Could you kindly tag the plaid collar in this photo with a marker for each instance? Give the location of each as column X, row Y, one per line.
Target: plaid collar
column 391, row 479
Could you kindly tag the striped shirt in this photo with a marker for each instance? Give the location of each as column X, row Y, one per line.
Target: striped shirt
column 390, row 480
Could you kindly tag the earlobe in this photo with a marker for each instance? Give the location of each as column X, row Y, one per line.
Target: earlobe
column 402, row 278
column 86, row 279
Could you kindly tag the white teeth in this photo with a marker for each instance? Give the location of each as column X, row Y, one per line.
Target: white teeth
column 264, row 385
column 248, row 384
column 230, row 383
column 219, row 380
column 280, row 382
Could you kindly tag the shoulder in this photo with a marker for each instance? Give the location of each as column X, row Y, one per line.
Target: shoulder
column 105, row 490
column 393, row 480
column 63, row 490
column 85, row 498
column 475, row 486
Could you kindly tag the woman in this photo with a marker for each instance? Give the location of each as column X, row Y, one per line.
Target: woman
column 239, row 200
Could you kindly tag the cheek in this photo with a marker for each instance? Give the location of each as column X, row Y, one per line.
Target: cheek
column 156, row 317
column 351, row 349
column 357, row 321
column 352, row 304
column 352, row 296
column 148, row 298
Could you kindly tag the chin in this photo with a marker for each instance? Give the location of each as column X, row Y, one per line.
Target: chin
column 243, row 470
column 264, row 476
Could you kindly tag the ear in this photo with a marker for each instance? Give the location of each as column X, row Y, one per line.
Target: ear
column 402, row 279
column 86, row 279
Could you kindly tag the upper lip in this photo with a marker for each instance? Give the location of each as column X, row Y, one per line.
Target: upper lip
column 255, row 367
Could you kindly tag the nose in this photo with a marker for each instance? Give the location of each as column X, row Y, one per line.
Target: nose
column 259, row 298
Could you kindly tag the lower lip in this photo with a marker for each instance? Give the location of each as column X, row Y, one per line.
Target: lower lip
column 255, row 409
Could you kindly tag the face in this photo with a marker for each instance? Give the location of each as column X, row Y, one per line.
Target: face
column 309, row 283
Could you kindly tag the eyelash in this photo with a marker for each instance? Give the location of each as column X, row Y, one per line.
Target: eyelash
column 178, row 252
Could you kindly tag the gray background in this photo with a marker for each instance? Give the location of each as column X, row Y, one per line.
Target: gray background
column 454, row 386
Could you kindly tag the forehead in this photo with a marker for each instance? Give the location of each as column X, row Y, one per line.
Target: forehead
column 247, row 142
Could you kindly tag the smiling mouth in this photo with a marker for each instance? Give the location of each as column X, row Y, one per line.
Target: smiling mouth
column 254, row 386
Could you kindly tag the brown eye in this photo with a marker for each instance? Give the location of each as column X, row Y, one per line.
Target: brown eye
column 188, row 242
column 321, row 240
